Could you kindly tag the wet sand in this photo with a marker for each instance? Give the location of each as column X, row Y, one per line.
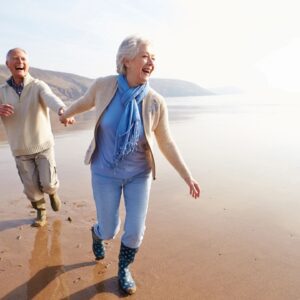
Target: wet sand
column 241, row 240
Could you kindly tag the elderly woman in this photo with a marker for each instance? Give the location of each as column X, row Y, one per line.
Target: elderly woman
column 129, row 114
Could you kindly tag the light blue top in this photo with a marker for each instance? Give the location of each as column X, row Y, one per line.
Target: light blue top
column 134, row 163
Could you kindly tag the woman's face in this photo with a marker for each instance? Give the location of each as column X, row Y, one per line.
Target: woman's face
column 139, row 69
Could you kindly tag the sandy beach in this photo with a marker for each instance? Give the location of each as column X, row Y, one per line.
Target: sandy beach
column 240, row 240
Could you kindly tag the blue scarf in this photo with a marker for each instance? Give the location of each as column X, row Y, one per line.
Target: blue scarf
column 130, row 125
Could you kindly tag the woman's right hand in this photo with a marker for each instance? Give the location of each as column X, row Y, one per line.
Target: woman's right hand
column 6, row 110
column 66, row 121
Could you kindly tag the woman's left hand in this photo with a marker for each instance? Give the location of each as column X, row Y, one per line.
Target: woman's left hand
column 194, row 188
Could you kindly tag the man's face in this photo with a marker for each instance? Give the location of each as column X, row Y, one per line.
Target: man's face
column 18, row 64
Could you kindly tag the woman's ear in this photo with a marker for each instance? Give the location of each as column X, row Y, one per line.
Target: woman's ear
column 126, row 62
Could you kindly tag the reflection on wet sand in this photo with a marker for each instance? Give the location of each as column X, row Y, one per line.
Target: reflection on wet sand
column 46, row 268
column 47, row 280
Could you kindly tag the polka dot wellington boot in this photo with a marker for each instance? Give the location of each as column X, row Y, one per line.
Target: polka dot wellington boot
column 126, row 257
column 98, row 246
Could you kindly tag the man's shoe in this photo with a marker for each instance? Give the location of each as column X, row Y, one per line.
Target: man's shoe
column 41, row 219
column 55, row 202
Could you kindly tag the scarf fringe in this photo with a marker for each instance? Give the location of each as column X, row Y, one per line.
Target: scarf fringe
column 126, row 144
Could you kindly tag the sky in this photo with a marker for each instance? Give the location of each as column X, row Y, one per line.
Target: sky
column 214, row 43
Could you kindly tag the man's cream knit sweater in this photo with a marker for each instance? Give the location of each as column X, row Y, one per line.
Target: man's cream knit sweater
column 28, row 129
column 155, row 120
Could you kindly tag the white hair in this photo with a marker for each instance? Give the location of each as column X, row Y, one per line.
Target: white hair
column 128, row 49
column 12, row 50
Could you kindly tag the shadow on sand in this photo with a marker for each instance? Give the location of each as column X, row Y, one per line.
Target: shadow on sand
column 8, row 224
column 47, row 270
column 106, row 286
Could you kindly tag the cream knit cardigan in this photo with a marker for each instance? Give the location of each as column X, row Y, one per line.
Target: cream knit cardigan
column 28, row 129
column 155, row 119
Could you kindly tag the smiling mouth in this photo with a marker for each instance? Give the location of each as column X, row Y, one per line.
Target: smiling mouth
column 20, row 68
column 147, row 71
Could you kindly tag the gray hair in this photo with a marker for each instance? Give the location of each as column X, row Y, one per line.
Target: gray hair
column 12, row 50
column 128, row 49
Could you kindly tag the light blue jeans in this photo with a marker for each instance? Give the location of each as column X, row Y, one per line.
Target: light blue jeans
column 107, row 195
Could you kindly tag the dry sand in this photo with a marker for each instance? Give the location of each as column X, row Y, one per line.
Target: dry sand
column 241, row 240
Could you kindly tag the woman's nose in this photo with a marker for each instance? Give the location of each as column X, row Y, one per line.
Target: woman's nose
column 150, row 61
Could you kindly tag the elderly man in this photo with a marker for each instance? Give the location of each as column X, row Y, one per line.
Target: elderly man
column 24, row 110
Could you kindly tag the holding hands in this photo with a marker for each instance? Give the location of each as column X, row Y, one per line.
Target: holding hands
column 64, row 120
